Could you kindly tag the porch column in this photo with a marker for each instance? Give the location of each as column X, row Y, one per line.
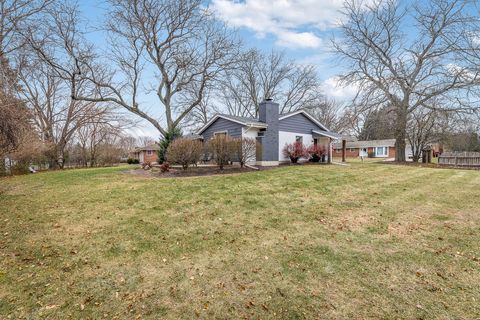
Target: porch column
column 344, row 150
column 329, row 152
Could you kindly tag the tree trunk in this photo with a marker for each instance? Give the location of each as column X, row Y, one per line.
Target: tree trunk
column 400, row 135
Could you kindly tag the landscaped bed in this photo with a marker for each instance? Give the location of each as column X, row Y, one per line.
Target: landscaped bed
column 336, row 242
column 202, row 170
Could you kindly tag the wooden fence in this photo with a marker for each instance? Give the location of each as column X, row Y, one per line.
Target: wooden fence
column 471, row 159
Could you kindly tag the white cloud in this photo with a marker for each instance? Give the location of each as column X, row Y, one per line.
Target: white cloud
column 292, row 22
column 333, row 89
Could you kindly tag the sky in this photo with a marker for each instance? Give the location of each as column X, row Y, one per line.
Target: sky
column 300, row 28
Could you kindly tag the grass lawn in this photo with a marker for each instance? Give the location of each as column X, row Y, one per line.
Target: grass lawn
column 361, row 241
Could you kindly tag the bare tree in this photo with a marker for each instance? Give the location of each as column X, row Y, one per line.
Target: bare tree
column 425, row 127
column 258, row 76
column 172, row 49
column 437, row 61
column 145, row 141
column 56, row 115
column 244, row 150
column 15, row 17
column 98, row 137
column 127, row 144
column 329, row 112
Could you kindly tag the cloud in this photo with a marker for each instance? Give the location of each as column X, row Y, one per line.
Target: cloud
column 294, row 23
column 333, row 89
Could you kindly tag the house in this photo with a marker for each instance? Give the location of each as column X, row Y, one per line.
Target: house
column 374, row 148
column 146, row 154
column 272, row 131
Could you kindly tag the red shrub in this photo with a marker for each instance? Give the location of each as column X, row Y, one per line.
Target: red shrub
column 164, row 167
column 295, row 151
column 316, row 152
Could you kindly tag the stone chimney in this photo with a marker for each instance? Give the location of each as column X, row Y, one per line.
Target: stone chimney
column 269, row 113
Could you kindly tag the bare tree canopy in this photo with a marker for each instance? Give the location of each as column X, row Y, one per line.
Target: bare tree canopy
column 173, row 49
column 15, row 17
column 258, row 76
column 434, row 66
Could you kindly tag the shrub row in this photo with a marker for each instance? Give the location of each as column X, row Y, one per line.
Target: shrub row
column 295, row 151
column 221, row 149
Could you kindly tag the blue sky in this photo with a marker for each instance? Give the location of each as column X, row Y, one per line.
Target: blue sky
column 301, row 28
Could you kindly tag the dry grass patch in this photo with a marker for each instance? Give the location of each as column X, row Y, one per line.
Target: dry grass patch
column 364, row 241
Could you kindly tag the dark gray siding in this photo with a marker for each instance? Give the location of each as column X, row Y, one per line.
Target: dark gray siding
column 234, row 129
column 268, row 113
column 298, row 123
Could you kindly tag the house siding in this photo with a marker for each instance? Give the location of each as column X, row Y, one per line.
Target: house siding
column 298, row 123
column 234, row 129
column 268, row 113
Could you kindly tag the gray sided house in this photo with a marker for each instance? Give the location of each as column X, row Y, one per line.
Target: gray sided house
column 272, row 130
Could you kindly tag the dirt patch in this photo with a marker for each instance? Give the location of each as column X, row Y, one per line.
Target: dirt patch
column 209, row 170
column 194, row 171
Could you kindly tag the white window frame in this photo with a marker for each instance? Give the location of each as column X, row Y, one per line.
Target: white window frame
column 383, row 154
column 220, row 132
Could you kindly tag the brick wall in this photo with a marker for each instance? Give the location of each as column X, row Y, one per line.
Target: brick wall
column 391, row 152
column 152, row 157
column 350, row 153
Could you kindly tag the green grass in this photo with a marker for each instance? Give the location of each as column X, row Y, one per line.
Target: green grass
column 361, row 241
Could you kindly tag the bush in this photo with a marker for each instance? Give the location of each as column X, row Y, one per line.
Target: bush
column 164, row 167
column 316, row 152
column 184, row 152
column 244, row 150
column 133, row 161
column 170, row 136
column 295, row 151
column 222, row 149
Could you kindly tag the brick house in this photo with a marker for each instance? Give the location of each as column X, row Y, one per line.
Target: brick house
column 374, row 148
column 146, row 154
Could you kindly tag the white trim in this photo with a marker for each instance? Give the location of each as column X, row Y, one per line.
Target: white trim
column 209, row 123
column 267, row 163
column 307, row 115
column 220, row 132
column 326, row 134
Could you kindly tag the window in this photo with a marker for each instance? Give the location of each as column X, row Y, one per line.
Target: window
column 220, row 133
column 149, row 152
column 299, row 139
column 315, row 141
column 381, row 151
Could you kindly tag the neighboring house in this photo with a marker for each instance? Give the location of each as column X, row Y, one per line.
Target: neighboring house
column 272, row 130
column 146, row 154
column 372, row 148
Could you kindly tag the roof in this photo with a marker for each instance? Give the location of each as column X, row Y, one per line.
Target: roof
column 367, row 144
column 154, row 147
column 255, row 122
column 250, row 122
column 193, row 136
column 246, row 120
column 328, row 134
